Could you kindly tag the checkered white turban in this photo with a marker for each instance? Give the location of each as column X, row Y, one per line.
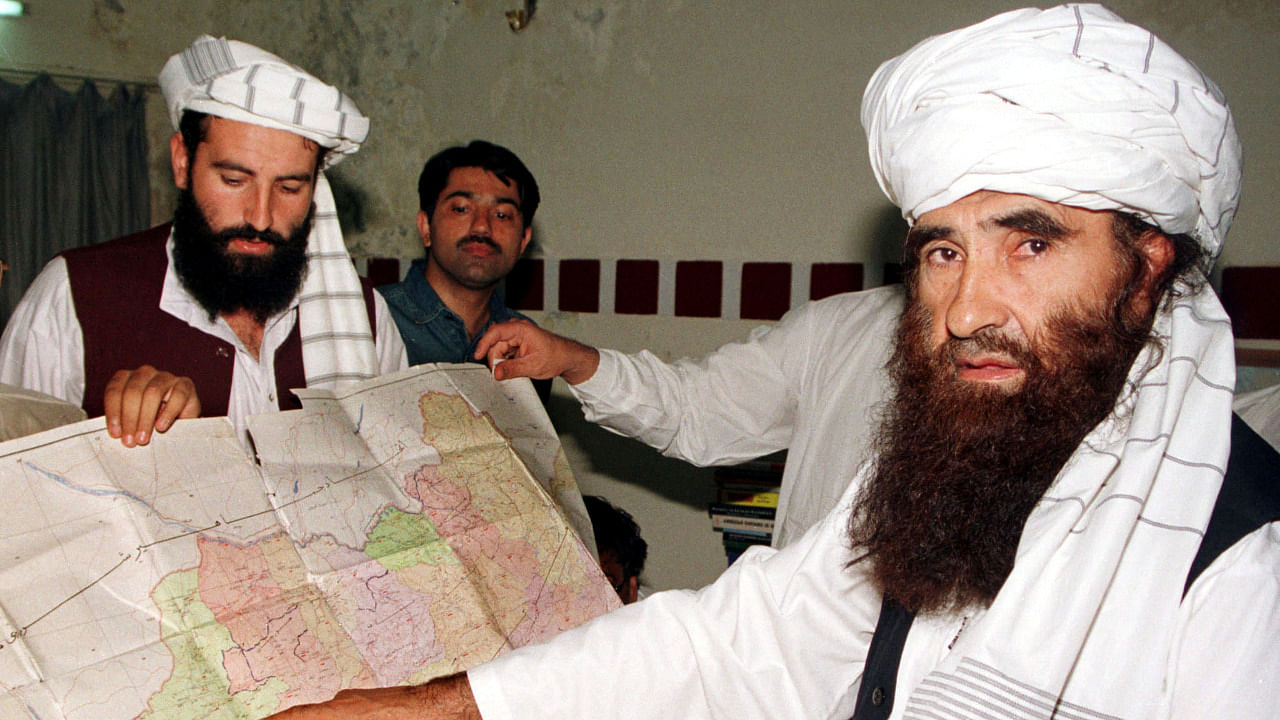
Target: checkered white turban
column 238, row 81
column 1072, row 105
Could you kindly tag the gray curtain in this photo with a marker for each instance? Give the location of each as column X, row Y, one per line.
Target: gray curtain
column 73, row 172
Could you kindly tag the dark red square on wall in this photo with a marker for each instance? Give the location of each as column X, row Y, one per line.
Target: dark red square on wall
column 382, row 271
column 827, row 279
column 636, row 287
column 524, row 285
column 698, row 285
column 1248, row 296
column 766, row 290
column 580, row 285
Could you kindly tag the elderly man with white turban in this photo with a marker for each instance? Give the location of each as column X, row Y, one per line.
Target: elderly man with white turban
column 247, row 294
column 1061, row 519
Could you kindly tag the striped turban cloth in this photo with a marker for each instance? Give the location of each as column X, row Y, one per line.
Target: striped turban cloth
column 1071, row 105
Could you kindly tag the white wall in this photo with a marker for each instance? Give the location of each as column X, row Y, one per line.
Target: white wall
column 671, row 129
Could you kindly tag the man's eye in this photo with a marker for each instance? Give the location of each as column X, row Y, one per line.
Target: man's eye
column 232, row 181
column 941, row 255
column 291, row 189
column 1036, row 245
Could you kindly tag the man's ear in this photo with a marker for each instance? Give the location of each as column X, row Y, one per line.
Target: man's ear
column 180, row 161
column 424, row 228
column 1157, row 256
column 1157, row 253
column 528, row 235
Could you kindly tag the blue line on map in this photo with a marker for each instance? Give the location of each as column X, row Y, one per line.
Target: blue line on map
column 359, row 420
column 104, row 492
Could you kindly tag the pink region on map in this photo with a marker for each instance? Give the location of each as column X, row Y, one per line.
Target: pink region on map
column 479, row 544
column 392, row 622
column 268, row 628
column 548, row 604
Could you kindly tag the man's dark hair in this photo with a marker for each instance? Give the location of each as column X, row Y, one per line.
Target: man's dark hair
column 1188, row 256
column 485, row 155
column 616, row 530
column 194, row 128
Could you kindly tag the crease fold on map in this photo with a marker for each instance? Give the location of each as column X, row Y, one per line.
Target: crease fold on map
column 408, row 527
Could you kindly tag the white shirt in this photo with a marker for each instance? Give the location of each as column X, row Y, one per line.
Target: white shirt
column 43, row 346
column 1092, row 616
column 811, row 384
column 784, row 634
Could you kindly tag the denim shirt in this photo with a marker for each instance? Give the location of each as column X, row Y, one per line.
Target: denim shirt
column 431, row 331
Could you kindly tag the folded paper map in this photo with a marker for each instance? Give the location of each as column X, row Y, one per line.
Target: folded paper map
column 412, row 526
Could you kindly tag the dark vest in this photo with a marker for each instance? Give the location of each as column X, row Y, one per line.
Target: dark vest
column 1249, row 499
column 116, row 289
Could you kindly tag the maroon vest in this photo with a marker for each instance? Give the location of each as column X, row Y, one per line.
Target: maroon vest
column 116, row 289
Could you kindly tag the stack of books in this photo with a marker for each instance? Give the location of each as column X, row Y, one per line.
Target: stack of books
column 745, row 506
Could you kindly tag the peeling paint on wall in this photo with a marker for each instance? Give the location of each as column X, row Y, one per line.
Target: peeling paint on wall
column 650, row 122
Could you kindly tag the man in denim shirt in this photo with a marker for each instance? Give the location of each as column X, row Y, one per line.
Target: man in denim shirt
column 477, row 202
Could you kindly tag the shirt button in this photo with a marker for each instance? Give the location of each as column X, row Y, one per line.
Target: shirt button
column 877, row 697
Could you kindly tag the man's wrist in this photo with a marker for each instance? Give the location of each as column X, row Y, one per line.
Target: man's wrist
column 586, row 362
column 450, row 698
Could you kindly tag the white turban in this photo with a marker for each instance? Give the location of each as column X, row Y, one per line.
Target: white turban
column 1072, row 105
column 238, row 81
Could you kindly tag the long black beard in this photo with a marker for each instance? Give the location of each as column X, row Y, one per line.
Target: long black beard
column 960, row 466
column 225, row 282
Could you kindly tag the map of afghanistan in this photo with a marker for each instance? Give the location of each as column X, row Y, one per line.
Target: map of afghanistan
column 413, row 526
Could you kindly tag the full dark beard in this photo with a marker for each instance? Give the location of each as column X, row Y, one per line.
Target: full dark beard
column 225, row 282
column 961, row 466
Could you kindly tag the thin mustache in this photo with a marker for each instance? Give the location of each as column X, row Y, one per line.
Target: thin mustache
column 478, row 239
